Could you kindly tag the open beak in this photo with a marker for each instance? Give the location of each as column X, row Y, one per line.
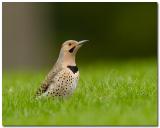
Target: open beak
column 82, row 42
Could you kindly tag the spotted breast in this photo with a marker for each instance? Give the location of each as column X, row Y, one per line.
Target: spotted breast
column 64, row 83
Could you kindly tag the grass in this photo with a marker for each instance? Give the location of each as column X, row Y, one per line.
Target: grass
column 108, row 93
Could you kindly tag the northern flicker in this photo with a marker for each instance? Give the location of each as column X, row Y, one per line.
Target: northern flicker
column 62, row 79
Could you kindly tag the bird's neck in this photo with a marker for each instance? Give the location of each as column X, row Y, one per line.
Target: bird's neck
column 66, row 59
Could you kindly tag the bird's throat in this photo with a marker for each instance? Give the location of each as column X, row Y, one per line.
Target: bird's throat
column 66, row 59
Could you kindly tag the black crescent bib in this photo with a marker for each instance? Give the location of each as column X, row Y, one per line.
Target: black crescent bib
column 74, row 69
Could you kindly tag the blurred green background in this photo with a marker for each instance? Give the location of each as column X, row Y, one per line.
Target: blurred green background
column 33, row 32
column 118, row 67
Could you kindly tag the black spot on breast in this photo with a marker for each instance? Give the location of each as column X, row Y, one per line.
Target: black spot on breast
column 72, row 49
column 74, row 69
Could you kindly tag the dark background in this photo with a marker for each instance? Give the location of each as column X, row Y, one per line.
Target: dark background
column 33, row 32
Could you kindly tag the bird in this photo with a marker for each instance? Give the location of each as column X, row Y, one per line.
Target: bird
column 62, row 79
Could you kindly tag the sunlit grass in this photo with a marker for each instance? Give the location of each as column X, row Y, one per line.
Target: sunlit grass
column 108, row 93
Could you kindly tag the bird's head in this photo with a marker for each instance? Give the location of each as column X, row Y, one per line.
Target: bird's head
column 71, row 46
column 69, row 49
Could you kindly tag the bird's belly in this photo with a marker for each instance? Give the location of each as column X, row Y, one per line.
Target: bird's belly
column 72, row 86
column 64, row 83
column 69, row 88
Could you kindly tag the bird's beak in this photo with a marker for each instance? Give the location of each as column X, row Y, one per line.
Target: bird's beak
column 82, row 42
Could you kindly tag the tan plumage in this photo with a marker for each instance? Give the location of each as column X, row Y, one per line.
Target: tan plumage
column 63, row 77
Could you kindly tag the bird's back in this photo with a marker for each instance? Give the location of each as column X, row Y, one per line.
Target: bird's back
column 48, row 79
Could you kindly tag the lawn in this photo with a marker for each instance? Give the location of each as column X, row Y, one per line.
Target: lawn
column 115, row 92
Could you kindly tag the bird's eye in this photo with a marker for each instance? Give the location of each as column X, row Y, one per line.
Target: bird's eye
column 69, row 44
